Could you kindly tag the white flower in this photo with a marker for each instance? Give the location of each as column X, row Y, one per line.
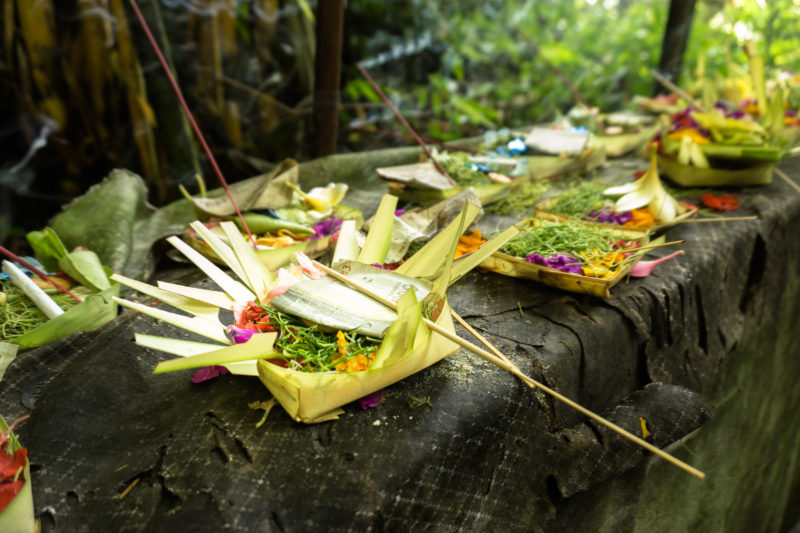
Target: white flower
column 646, row 191
column 322, row 199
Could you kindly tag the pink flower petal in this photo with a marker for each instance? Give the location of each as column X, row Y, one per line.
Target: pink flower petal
column 307, row 266
column 371, row 400
column 208, row 373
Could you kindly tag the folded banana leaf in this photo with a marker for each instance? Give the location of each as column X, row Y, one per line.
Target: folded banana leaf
column 542, row 166
column 625, row 143
column 268, row 191
column 691, row 176
column 790, row 135
column 406, row 346
column 96, row 310
column 421, row 183
column 745, row 153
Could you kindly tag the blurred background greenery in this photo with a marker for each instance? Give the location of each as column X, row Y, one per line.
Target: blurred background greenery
column 81, row 93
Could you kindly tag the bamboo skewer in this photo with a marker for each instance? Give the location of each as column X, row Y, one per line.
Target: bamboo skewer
column 675, row 89
column 649, row 246
column 721, row 219
column 782, row 175
column 506, row 364
column 472, row 331
column 405, row 123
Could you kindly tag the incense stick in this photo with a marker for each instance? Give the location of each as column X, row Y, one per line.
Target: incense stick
column 675, row 89
column 782, row 175
column 396, row 112
column 38, row 272
column 162, row 60
column 649, row 246
column 506, row 364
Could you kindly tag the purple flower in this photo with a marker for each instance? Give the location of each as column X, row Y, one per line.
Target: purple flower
column 790, row 113
column 208, row 373
column 240, row 335
column 606, row 215
column 399, row 212
column 564, row 263
column 326, row 228
column 371, row 400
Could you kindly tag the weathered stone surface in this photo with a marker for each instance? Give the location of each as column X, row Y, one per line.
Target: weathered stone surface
column 461, row 446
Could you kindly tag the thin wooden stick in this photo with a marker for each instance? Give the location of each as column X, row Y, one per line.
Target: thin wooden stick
column 782, row 175
column 41, row 274
column 472, row 331
column 649, row 246
column 720, row 219
column 188, row 113
column 675, row 89
column 506, row 364
column 129, row 488
column 396, row 112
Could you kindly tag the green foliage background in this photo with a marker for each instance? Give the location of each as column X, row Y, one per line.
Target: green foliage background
column 79, row 79
column 484, row 64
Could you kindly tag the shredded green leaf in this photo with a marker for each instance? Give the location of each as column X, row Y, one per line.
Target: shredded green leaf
column 456, row 166
column 520, row 199
column 570, row 238
column 578, row 201
column 308, row 348
column 19, row 314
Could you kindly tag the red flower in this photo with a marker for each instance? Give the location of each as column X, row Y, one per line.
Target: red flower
column 719, row 203
column 10, row 465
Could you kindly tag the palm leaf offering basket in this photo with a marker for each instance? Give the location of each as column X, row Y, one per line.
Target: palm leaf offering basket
column 691, row 176
column 406, row 347
column 519, row 267
column 544, row 209
column 283, row 218
column 423, row 184
column 93, row 291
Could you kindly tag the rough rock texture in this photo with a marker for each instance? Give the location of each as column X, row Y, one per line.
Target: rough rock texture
column 704, row 350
